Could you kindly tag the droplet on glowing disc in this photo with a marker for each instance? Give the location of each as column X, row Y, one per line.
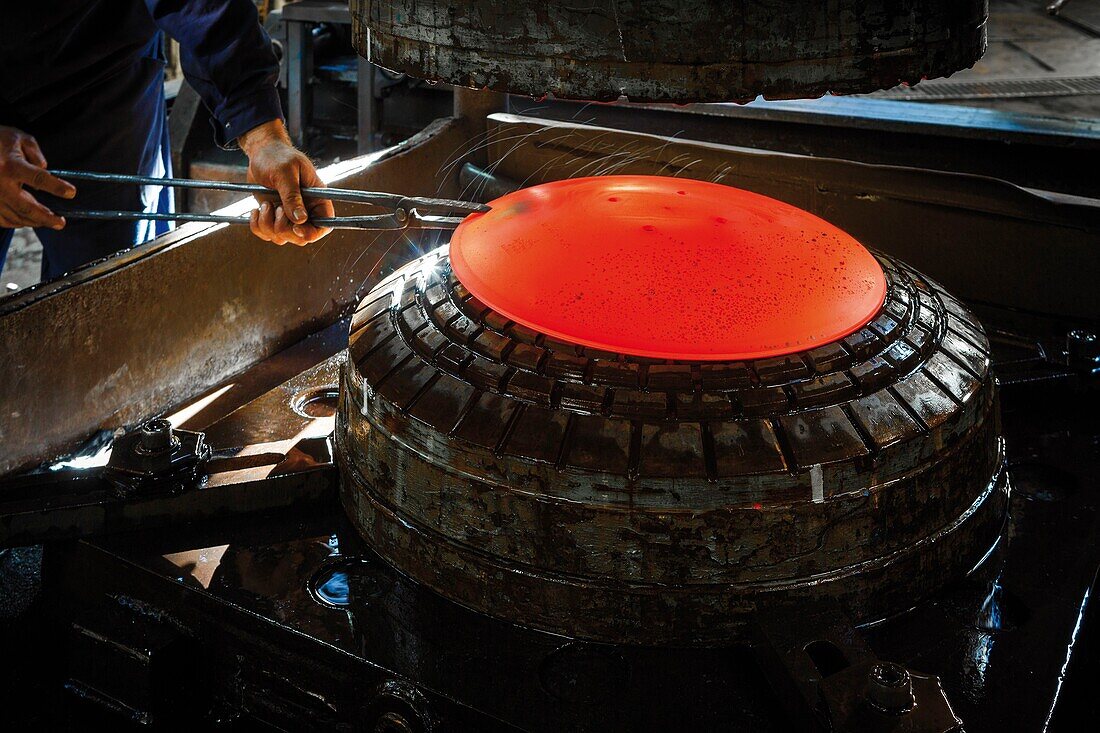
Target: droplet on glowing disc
column 667, row 268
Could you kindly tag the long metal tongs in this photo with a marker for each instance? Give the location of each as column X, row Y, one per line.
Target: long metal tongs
column 406, row 212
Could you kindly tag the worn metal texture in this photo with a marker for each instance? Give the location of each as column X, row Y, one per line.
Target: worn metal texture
column 145, row 330
column 626, row 499
column 656, row 50
column 1013, row 643
column 825, row 675
column 272, row 452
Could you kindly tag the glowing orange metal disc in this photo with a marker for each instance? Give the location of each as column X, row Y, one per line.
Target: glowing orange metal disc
column 667, row 268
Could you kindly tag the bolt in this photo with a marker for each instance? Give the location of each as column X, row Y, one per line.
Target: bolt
column 1083, row 351
column 157, row 437
column 890, row 688
column 392, row 722
column 401, row 214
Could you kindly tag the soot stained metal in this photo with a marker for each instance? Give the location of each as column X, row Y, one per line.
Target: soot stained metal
column 684, row 51
column 602, row 495
column 667, row 268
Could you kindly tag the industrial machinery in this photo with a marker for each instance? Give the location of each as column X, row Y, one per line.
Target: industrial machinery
column 720, row 418
column 650, row 50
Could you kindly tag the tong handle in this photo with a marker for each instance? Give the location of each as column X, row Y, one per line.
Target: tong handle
column 406, row 211
column 413, row 219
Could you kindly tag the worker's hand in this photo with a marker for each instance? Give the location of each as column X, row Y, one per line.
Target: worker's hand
column 22, row 164
column 275, row 163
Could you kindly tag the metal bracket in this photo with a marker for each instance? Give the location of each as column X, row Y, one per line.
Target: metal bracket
column 155, row 457
column 821, row 665
column 157, row 477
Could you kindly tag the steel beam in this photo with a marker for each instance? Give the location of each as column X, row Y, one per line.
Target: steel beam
column 133, row 335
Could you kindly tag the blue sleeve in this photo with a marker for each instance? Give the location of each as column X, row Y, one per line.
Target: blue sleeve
column 227, row 57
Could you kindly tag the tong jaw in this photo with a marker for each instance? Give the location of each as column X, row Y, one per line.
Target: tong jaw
column 429, row 213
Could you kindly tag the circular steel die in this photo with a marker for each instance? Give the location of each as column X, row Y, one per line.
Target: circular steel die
column 633, row 500
column 691, row 51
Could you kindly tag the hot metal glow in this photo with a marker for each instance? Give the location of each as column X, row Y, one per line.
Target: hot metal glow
column 667, row 268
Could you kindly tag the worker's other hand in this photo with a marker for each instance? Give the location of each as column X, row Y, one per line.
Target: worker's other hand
column 22, row 164
column 274, row 162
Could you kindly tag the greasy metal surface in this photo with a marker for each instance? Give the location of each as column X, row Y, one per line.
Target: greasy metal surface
column 662, row 502
column 822, row 669
column 985, row 239
column 1014, row 643
column 697, row 50
column 270, row 437
column 150, row 328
